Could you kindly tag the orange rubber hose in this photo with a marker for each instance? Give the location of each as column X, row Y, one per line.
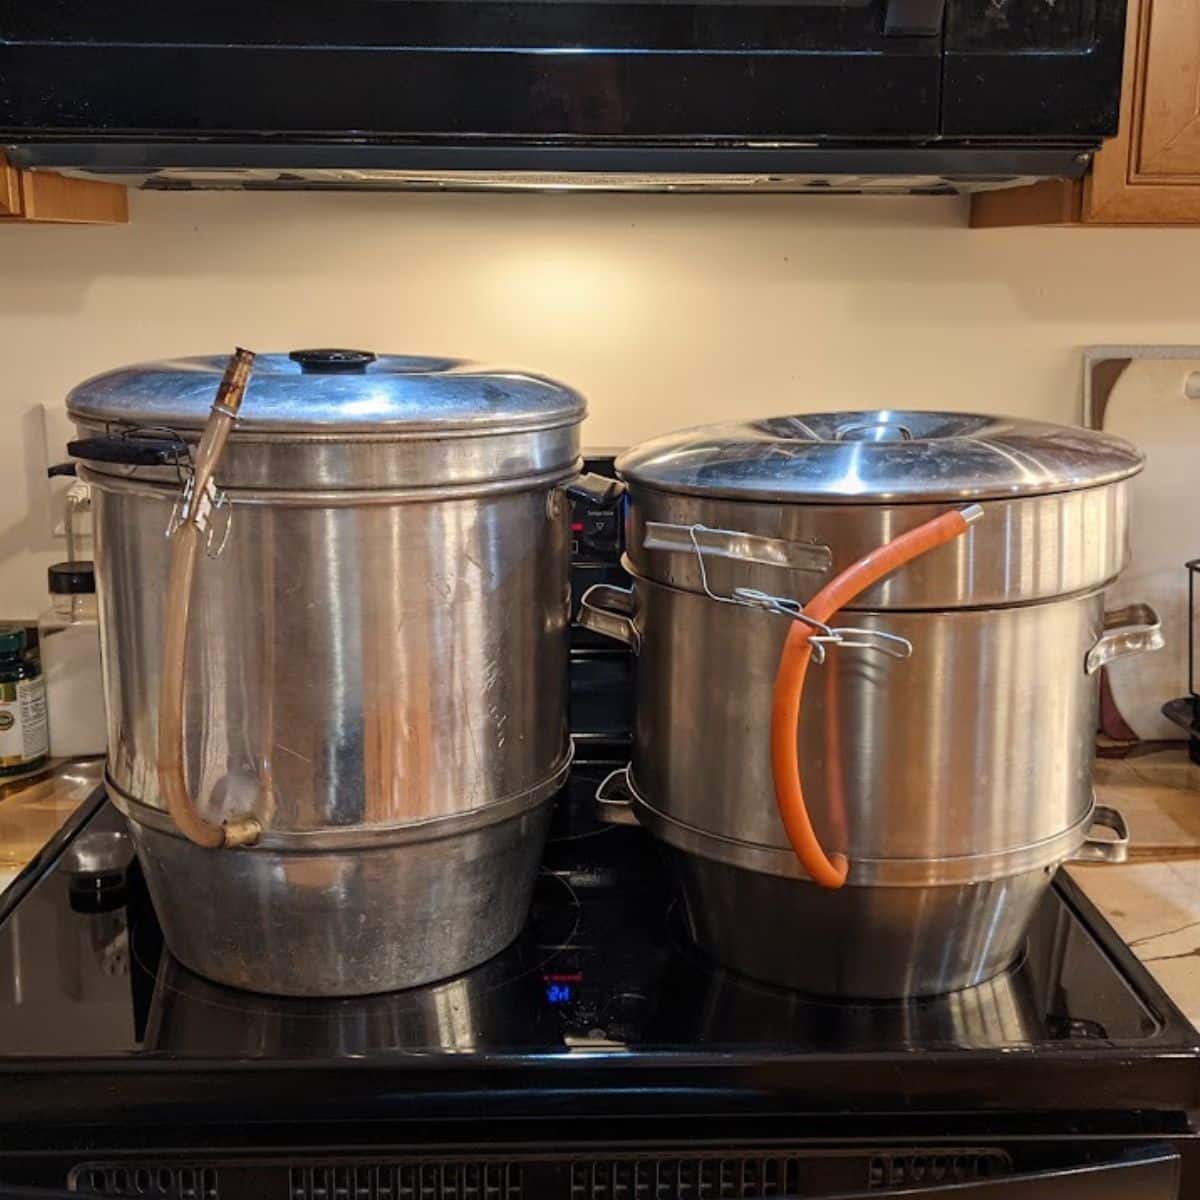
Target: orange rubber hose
column 829, row 871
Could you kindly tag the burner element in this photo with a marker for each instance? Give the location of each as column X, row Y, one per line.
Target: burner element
column 499, row 1005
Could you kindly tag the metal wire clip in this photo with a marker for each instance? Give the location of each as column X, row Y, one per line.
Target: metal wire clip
column 891, row 644
column 213, row 504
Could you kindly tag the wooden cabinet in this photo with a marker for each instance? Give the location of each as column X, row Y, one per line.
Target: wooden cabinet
column 45, row 196
column 10, row 190
column 1169, row 148
column 1149, row 174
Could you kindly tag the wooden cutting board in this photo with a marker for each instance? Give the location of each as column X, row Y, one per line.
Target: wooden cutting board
column 1155, row 403
column 1159, row 797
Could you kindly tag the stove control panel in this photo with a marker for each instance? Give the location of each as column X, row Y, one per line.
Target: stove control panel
column 601, row 698
column 597, row 530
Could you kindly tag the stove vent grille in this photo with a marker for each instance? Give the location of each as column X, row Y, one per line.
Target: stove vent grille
column 890, row 1171
column 155, row 1182
column 758, row 1173
column 735, row 1178
column 407, row 1181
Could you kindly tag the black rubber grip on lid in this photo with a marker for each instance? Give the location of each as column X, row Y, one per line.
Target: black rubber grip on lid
column 332, row 362
column 133, row 450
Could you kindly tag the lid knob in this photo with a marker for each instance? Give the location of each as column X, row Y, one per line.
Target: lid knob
column 874, row 431
column 331, row 362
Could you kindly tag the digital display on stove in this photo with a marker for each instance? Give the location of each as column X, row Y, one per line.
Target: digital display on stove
column 560, row 988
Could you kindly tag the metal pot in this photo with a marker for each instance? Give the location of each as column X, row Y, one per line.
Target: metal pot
column 375, row 680
column 954, row 768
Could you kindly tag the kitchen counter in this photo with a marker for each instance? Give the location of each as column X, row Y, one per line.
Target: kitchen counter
column 33, row 808
column 1153, row 901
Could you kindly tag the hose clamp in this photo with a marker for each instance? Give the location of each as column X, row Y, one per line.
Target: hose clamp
column 211, row 514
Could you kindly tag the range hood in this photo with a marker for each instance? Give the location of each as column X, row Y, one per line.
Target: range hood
column 820, row 96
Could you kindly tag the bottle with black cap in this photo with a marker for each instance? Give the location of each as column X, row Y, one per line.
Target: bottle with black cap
column 69, row 638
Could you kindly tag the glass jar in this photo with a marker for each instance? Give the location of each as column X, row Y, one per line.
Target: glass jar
column 69, row 636
column 23, row 741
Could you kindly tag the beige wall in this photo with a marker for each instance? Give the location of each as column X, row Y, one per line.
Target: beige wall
column 664, row 310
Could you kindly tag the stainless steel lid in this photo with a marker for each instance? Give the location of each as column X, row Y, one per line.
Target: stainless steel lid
column 324, row 392
column 333, row 421
column 880, row 456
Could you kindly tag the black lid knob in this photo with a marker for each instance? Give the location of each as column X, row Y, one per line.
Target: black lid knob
column 332, row 362
column 72, row 578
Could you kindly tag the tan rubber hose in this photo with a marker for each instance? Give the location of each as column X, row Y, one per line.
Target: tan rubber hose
column 186, row 541
column 829, row 871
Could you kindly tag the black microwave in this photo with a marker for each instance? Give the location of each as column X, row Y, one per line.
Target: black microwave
column 844, row 95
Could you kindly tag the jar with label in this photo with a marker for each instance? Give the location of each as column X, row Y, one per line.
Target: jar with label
column 23, row 737
column 69, row 640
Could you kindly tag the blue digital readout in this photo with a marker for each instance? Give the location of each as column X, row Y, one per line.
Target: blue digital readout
column 559, row 993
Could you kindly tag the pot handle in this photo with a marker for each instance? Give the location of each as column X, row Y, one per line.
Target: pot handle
column 132, row 448
column 609, row 611
column 1104, row 850
column 187, row 534
column 614, row 803
column 706, row 542
column 1134, row 629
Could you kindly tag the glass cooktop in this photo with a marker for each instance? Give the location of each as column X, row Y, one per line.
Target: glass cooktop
column 603, row 968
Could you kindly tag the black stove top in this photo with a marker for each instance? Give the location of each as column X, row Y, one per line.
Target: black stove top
column 603, row 972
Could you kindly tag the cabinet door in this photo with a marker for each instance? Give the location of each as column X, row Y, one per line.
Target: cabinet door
column 1150, row 173
column 1170, row 100
column 45, row 196
column 10, row 190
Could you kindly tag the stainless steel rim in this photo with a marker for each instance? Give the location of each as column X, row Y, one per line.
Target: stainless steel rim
column 864, row 872
column 307, row 498
column 363, row 837
column 296, row 432
column 632, row 570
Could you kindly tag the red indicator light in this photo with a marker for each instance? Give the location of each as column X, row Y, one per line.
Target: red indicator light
column 573, row 977
column 576, row 526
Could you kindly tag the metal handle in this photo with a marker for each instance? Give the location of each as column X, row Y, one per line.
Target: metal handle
column 1103, row 849
column 609, row 611
column 1134, row 629
column 733, row 543
column 615, row 809
column 595, row 489
column 863, row 639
